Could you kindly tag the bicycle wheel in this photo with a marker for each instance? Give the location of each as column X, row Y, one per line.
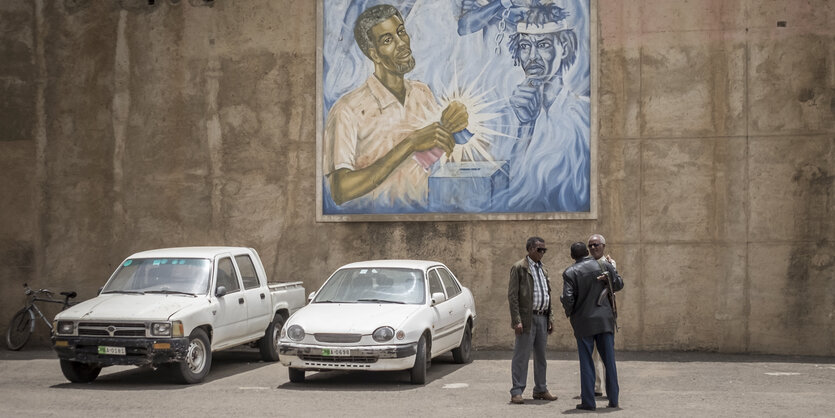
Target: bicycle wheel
column 21, row 327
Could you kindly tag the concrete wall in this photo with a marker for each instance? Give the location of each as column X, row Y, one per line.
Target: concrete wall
column 125, row 126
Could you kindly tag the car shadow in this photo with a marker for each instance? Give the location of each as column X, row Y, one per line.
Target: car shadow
column 363, row 381
column 224, row 364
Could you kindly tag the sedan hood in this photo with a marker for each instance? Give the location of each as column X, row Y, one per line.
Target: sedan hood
column 129, row 307
column 351, row 318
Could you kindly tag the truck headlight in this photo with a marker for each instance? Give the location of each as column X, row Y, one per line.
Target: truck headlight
column 295, row 332
column 161, row 329
column 65, row 328
column 383, row 334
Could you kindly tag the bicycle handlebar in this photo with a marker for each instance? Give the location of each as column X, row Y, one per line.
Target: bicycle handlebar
column 30, row 292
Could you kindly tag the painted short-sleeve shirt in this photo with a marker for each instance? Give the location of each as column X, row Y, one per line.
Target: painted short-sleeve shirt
column 367, row 123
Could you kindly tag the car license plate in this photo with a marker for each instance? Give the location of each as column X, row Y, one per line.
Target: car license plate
column 336, row 352
column 116, row 351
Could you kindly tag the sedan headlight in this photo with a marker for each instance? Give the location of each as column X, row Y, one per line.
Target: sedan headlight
column 161, row 329
column 295, row 332
column 65, row 328
column 383, row 334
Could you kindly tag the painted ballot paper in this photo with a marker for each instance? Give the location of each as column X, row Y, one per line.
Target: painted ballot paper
column 455, row 110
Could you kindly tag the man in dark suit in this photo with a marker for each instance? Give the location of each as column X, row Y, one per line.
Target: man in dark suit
column 586, row 300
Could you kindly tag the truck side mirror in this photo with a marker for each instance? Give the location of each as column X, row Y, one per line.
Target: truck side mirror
column 221, row 291
column 437, row 298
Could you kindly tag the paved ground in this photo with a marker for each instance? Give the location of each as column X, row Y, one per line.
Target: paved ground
column 652, row 385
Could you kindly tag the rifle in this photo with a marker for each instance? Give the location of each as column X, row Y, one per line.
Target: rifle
column 609, row 292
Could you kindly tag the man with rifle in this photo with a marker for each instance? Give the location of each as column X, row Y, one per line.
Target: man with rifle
column 597, row 248
column 586, row 288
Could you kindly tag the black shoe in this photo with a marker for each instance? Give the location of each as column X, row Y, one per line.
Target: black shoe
column 598, row 393
column 586, row 407
column 613, row 405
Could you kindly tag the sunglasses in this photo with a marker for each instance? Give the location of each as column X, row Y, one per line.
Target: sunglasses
column 596, row 245
column 541, row 250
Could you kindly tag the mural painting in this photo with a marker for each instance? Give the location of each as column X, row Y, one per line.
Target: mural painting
column 455, row 109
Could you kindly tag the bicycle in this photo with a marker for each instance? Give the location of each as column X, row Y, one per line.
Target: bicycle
column 23, row 322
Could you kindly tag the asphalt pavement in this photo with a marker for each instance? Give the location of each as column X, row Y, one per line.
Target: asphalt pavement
column 652, row 385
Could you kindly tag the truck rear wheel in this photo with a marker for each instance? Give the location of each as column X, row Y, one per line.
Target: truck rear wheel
column 198, row 361
column 268, row 344
column 79, row 372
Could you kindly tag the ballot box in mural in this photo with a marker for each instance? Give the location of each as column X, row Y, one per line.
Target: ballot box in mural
column 466, row 186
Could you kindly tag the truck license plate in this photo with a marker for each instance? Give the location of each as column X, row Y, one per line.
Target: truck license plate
column 116, row 351
column 336, row 352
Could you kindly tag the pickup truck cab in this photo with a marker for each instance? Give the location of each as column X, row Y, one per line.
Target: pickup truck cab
column 172, row 308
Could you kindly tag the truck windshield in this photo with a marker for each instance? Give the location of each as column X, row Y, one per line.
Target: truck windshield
column 161, row 275
column 374, row 285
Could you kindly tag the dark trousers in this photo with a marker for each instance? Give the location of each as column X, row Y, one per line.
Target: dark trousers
column 606, row 347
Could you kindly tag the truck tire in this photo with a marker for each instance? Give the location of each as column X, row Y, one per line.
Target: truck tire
column 198, row 361
column 296, row 375
column 79, row 372
column 268, row 344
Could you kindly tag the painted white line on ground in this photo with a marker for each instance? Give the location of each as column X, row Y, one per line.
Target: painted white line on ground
column 783, row 374
column 455, row 385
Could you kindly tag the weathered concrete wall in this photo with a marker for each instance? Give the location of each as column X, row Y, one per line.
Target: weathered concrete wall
column 125, row 126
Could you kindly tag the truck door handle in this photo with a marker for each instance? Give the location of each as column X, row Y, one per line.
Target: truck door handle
column 262, row 296
column 240, row 301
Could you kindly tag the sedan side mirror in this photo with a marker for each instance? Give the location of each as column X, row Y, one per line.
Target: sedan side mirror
column 221, row 291
column 437, row 298
column 311, row 296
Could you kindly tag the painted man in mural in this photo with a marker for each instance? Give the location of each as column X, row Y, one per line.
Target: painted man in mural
column 380, row 138
column 550, row 160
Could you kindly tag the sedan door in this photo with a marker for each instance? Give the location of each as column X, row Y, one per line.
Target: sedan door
column 446, row 324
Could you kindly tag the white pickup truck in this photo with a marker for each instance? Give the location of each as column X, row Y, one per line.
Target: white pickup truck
column 172, row 308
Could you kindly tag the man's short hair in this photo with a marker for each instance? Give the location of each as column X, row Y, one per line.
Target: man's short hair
column 532, row 241
column 539, row 16
column 579, row 250
column 367, row 20
column 600, row 237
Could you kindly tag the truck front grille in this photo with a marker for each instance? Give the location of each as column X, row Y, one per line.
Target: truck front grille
column 111, row 329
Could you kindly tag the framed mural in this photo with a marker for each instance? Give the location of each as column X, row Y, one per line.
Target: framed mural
column 456, row 110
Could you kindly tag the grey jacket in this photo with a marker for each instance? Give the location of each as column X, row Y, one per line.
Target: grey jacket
column 581, row 295
column 520, row 295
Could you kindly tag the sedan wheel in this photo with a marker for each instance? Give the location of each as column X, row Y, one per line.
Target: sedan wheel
column 464, row 352
column 418, row 372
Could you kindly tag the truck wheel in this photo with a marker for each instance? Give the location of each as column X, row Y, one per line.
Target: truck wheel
column 79, row 372
column 198, row 361
column 464, row 352
column 296, row 375
column 268, row 344
column 418, row 372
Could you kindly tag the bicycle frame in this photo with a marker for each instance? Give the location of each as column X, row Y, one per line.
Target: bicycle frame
column 33, row 307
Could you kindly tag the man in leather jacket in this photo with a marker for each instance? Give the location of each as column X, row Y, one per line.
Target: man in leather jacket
column 590, row 311
column 532, row 320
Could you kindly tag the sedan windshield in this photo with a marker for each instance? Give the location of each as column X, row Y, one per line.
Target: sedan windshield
column 374, row 285
column 188, row 276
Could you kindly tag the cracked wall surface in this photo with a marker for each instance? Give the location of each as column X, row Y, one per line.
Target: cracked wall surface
column 126, row 126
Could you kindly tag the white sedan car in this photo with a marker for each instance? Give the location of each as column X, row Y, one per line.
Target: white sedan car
column 381, row 315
